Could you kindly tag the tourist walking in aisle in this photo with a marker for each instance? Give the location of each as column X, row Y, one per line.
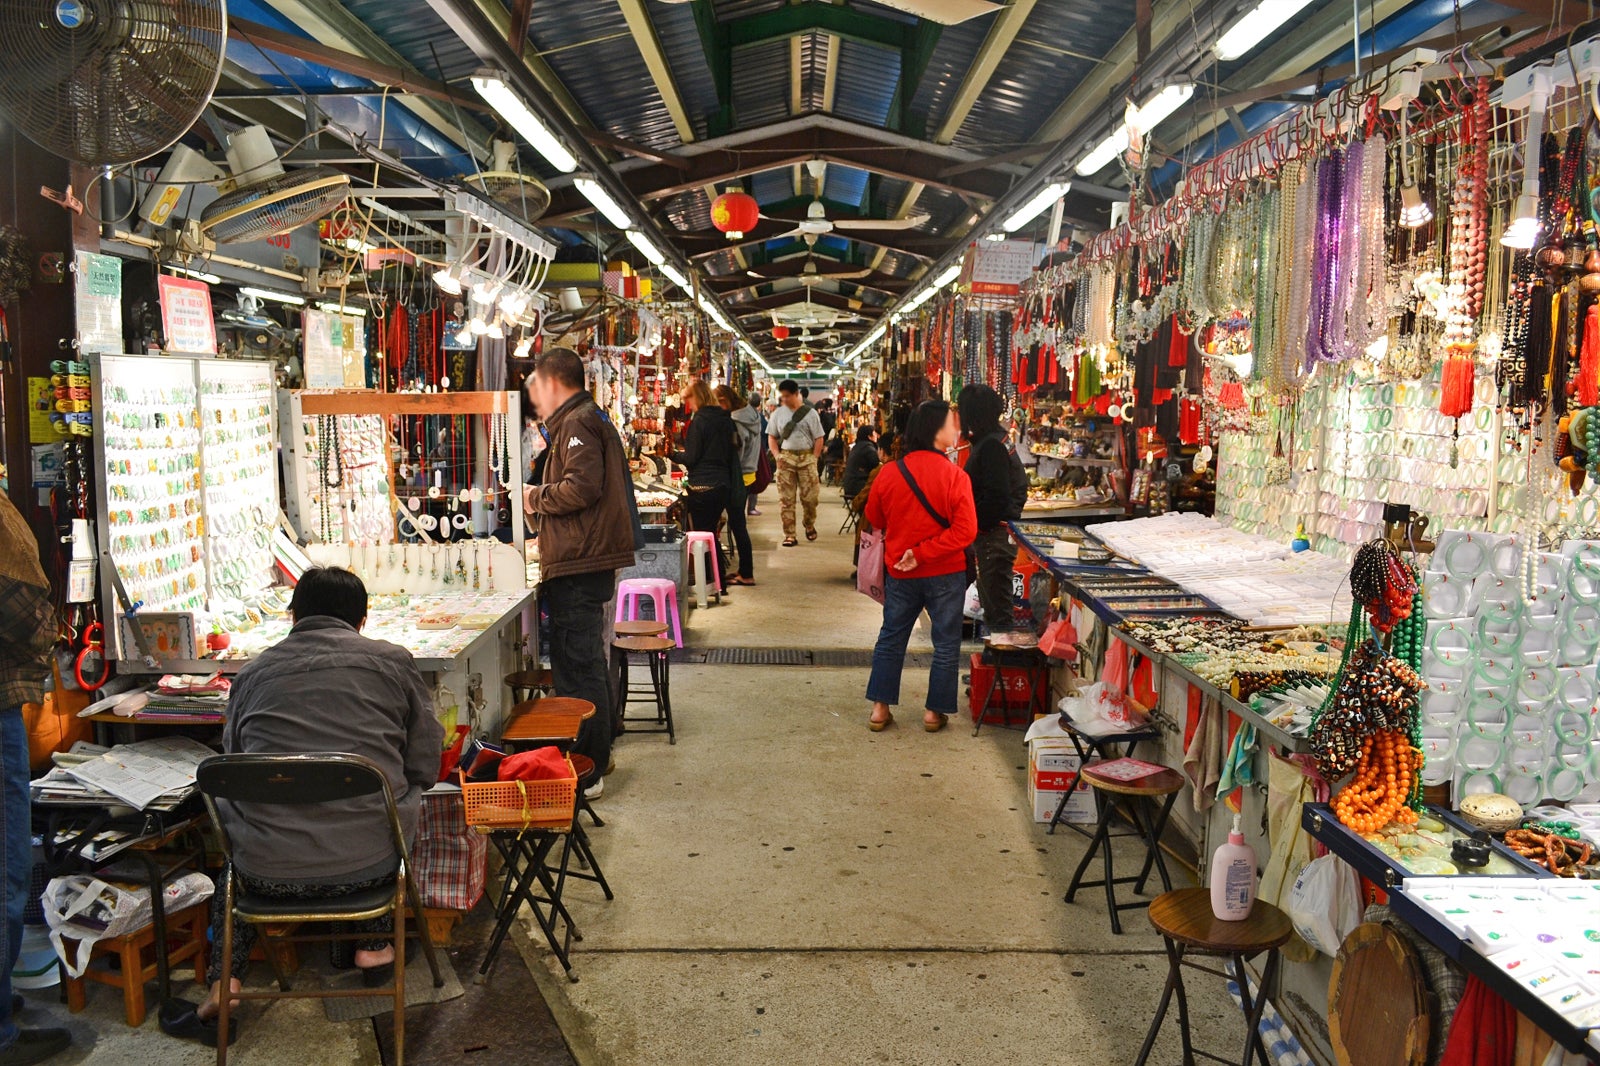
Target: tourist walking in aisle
column 796, row 437
column 999, row 492
column 583, row 512
column 748, row 423
column 923, row 503
column 711, row 455
column 28, row 628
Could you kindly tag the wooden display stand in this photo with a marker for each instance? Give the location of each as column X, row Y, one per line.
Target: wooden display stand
column 132, row 972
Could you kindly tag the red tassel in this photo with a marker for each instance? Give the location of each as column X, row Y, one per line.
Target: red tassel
column 1589, row 360
column 1456, row 383
column 1188, row 421
column 1178, row 351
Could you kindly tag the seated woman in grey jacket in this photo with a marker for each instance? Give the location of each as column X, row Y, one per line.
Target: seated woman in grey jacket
column 325, row 687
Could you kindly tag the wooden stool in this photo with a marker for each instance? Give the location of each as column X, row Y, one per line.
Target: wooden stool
column 132, row 972
column 1091, row 746
column 547, row 720
column 642, row 628
column 1132, row 794
column 584, row 767
column 524, row 683
column 1186, row 924
column 656, row 650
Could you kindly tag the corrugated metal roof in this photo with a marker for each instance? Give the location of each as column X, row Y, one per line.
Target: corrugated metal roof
column 590, row 48
column 727, row 10
column 814, row 49
column 868, row 77
column 845, row 185
column 413, row 30
column 952, row 57
column 770, row 186
column 1030, row 80
column 761, row 83
column 680, row 40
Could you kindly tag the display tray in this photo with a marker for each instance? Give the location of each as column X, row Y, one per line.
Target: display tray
column 1390, row 871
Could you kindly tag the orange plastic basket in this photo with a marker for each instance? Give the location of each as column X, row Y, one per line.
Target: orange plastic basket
column 546, row 805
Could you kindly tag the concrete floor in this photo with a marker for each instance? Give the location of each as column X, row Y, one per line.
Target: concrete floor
column 791, row 889
column 794, row 889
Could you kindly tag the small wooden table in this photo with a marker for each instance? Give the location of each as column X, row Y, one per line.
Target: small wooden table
column 1187, row 925
column 1096, row 746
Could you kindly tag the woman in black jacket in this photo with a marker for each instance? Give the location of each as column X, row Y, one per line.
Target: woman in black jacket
column 711, row 454
column 864, row 459
column 999, row 490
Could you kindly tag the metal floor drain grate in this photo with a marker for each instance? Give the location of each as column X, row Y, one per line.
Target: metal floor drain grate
column 832, row 657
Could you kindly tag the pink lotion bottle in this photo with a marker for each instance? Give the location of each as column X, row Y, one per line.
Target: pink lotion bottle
column 1233, row 878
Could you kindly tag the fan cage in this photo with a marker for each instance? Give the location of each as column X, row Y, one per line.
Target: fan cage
column 275, row 206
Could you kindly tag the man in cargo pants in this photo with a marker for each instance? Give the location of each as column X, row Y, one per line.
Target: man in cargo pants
column 796, row 438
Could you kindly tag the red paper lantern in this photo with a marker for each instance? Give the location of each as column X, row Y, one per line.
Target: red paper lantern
column 780, row 333
column 735, row 213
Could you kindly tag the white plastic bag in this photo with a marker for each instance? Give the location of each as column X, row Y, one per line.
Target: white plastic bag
column 1105, row 710
column 974, row 605
column 87, row 910
column 1325, row 903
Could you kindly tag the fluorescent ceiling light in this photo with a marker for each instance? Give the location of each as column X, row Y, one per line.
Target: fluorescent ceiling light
column 268, row 294
column 511, row 107
column 346, row 309
column 921, row 298
column 1251, row 30
column 1102, row 154
column 1162, row 105
column 674, row 275
column 647, row 248
column 198, row 275
column 1036, row 206
column 596, row 194
column 1155, row 111
column 951, row 273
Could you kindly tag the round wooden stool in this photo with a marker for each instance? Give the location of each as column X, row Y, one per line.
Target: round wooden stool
column 642, row 628
column 1131, row 795
column 657, row 652
column 1379, row 1009
column 1186, row 924
column 524, row 683
column 548, row 720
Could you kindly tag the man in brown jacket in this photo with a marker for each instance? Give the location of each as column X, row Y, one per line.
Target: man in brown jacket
column 584, row 518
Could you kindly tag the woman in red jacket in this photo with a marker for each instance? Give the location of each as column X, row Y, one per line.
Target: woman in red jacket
column 923, row 503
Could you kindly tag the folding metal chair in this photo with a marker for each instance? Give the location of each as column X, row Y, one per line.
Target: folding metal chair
column 304, row 780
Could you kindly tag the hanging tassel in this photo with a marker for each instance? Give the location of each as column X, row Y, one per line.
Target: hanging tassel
column 1589, row 360
column 1456, row 382
column 1178, row 350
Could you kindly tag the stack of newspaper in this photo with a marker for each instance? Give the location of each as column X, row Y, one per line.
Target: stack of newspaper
column 147, row 775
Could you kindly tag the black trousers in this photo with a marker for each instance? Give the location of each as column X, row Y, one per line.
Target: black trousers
column 995, row 556
column 705, row 505
column 739, row 529
column 579, row 658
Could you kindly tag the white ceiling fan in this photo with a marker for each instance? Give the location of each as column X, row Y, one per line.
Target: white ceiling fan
column 945, row 12
column 809, row 314
column 818, row 224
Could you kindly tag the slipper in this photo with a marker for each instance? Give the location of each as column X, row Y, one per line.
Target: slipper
column 188, row 1025
column 746, row 581
column 789, row 542
column 811, row 534
column 931, row 727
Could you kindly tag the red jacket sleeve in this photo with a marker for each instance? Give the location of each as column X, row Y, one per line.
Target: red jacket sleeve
column 962, row 514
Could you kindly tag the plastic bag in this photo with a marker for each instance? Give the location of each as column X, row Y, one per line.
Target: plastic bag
column 1325, row 903
column 973, row 608
column 87, row 910
column 1107, row 710
column 871, row 577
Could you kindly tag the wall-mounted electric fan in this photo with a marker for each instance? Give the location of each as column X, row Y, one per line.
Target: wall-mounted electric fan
column 107, row 82
column 266, row 199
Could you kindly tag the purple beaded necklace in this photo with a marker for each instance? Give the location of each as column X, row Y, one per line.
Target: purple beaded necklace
column 1325, row 257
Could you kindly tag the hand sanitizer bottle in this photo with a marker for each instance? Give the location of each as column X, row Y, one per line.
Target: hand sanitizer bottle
column 1233, row 878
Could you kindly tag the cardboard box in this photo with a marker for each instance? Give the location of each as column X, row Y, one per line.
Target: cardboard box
column 1052, row 771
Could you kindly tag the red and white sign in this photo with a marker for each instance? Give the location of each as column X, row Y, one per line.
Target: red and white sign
column 186, row 316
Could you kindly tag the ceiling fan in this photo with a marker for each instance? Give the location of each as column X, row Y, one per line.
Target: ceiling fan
column 945, row 12
column 809, row 314
column 809, row 274
column 818, row 224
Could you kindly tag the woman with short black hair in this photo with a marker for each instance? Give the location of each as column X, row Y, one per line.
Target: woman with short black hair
column 923, row 504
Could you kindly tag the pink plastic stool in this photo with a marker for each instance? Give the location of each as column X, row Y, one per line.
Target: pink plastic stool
column 703, row 554
column 662, row 592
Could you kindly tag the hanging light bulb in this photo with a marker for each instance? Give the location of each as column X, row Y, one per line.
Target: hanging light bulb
column 513, row 303
column 478, row 326
column 1522, row 232
column 486, row 294
column 495, row 332
column 524, row 348
column 1414, row 210
column 466, row 338
column 448, row 280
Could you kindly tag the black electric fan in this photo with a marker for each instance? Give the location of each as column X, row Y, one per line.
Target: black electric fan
column 108, row 82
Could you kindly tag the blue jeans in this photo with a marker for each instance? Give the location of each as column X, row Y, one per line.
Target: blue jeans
column 16, row 845
column 904, row 599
